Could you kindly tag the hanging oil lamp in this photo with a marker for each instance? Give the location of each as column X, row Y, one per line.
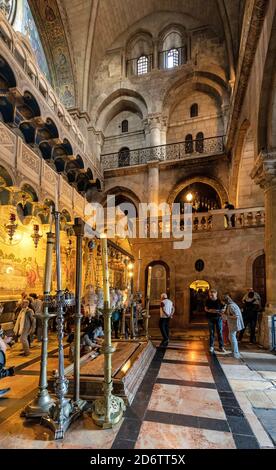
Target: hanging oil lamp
column 36, row 235
column 69, row 247
column 11, row 226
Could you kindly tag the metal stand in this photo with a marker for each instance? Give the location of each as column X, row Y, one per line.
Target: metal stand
column 41, row 404
column 63, row 412
column 147, row 317
column 79, row 232
column 123, row 325
column 109, row 409
column 133, row 331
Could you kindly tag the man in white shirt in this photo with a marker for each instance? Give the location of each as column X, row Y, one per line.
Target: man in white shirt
column 166, row 312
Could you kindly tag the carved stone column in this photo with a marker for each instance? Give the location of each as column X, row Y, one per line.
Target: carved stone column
column 264, row 174
column 153, row 128
column 153, row 182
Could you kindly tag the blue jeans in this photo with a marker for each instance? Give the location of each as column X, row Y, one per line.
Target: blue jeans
column 234, row 342
column 215, row 323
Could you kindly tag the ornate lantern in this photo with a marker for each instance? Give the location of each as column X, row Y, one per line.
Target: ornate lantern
column 36, row 235
column 11, row 226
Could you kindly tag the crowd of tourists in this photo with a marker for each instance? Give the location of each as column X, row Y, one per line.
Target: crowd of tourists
column 224, row 317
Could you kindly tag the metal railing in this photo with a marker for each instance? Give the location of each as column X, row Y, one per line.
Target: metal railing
column 176, row 151
column 172, row 58
column 134, row 67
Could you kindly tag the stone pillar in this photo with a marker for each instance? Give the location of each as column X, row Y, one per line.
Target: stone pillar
column 152, row 127
column 153, row 182
column 155, row 55
column 99, row 144
column 155, row 134
column 163, row 132
column 264, row 174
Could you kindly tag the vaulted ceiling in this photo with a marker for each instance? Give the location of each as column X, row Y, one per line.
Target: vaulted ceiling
column 92, row 26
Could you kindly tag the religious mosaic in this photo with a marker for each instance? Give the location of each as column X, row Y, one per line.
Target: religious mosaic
column 24, row 22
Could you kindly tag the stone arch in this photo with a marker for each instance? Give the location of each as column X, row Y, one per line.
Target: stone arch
column 30, row 189
column 249, row 266
column 140, row 35
column 237, row 159
column 167, row 271
column 206, row 82
column 7, row 73
column 133, row 104
column 122, row 191
column 267, row 108
column 7, row 177
column 247, row 193
column 104, row 102
column 219, row 188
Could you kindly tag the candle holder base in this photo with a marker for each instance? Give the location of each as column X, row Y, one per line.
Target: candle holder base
column 39, row 407
column 60, row 419
column 106, row 416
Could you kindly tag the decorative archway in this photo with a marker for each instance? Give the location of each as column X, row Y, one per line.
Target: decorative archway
column 216, row 185
column 160, row 280
column 121, row 191
column 251, row 264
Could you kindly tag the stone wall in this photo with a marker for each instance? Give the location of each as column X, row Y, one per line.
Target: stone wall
column 228, row 256
column 209, row 120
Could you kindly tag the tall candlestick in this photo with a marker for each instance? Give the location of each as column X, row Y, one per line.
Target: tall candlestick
column 149, row 282
column 105, row 271
column 139, row 271
column 107, row 411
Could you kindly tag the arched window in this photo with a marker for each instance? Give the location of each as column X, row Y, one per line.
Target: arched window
column 142, row 65
column 194, row 110
column 199, row 143
column 125, row 125
column 172, row 58
column 189, row 144
column 124, row 157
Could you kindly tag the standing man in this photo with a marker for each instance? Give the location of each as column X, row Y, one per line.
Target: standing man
column 25, row 326
column 166, row 312
column 214, row 310
column 250, row 315
column 252, row 296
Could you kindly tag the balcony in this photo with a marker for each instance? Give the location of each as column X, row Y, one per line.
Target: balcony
column 162, row 153
column 171, row 227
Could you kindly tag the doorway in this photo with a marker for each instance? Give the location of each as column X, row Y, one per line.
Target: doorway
column 198, row 295
column 259, row 277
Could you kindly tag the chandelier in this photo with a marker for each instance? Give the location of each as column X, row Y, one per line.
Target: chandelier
column 11, row 227
column 36, row 235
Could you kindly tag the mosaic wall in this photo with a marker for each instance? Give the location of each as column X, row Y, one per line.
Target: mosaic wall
column 24, row 22
column 52, row 32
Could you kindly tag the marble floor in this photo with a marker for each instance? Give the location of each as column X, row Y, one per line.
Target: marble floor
column 188, row 399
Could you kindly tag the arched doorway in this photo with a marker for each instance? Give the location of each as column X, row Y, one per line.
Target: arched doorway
column 160, row 283
column 160, row 278
column 259, row 277
column 198, row 295
column 202, row 196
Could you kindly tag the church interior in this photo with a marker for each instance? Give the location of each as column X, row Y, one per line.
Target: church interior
column 137, row 180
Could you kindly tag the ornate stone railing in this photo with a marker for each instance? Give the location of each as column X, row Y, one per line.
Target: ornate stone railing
column 205, row 222
column 162, row 153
